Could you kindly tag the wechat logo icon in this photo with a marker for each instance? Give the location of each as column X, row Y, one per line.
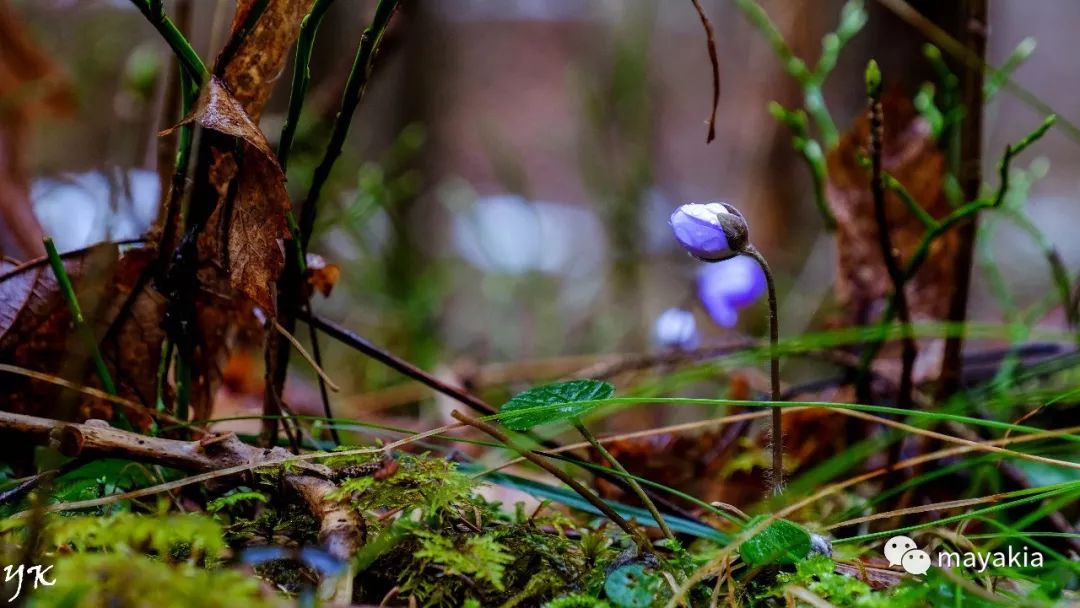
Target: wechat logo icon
column 901, row 551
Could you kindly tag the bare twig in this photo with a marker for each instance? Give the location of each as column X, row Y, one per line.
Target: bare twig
column 396, row 363
column 710, row 42
column 341, row 531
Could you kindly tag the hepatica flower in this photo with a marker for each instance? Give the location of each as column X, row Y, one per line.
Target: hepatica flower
column 717, row 232
column 676, row 328
column 726, row 287
column 711, row 232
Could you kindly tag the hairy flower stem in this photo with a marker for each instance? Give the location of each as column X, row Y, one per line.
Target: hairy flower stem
column 615, row 464
column 639, row 538
column 777, row 433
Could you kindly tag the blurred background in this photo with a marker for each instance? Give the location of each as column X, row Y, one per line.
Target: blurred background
column 500, row 211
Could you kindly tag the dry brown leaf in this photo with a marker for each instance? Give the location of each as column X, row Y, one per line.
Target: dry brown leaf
column 30, row 85
column 258, row 61
column 322, row 276
column 37, row 332
column 250, row 219
column 133, row 314
column 912, row 157
column 29, row 293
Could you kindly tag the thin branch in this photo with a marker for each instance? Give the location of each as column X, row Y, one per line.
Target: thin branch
column 342, row 532
column 710, row 42
column 396, row 363
column 189, row 59
column 307, row 357
column 558, row 473
column 634, row 485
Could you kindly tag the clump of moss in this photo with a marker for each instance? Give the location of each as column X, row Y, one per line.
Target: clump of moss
column 89, row 580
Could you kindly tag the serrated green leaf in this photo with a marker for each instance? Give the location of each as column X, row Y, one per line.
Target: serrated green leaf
column 783, row 542
column 572, row 398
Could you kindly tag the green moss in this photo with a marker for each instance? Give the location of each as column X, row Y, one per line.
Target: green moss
column 121, row 581
column 173, row 537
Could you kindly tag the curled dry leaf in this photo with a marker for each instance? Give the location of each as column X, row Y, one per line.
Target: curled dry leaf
column 248, row 224
column 862, row 282
column 255, row 63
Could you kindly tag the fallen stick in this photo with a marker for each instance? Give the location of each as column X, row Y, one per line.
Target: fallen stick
column 341, row 531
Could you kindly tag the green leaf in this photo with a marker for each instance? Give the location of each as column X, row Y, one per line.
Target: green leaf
column 569, row 396
column 632, row 586
column 783, row 542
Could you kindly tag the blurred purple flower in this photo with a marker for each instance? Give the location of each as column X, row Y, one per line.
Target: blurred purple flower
column 726, row 287
column 711, row 232
column 676, row 328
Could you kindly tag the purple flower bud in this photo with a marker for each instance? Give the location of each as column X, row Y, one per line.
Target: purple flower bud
column 728, row 286
column 676, row 328
column 711, row 232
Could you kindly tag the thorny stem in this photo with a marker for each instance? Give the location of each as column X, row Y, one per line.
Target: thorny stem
column 594, row 500
column 888, row 253
column 634, row 485
column 85, row 333
column 777, row 431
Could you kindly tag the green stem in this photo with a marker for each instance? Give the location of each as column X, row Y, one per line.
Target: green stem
column 189, row 59
column 163, row 373
column 637, row 489
column 301, row 77
column 85, row 333
column 777, row 439
column 354, row 91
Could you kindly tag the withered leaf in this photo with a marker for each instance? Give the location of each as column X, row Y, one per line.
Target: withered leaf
column 30, row 294
column 911, row 156
column 251, row 220
column 132, row 318
column 38, row 334
column 258, row 61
